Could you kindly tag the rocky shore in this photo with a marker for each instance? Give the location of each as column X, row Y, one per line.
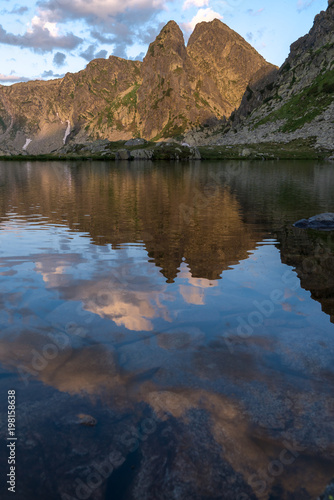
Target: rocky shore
column 139, row 149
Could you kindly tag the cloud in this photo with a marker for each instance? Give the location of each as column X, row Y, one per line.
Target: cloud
column 40, row 39
column 44, row 24
column 120, row 50
column 206, row 15
column 304, row 4
column 192, row 295
column 102, row 54
column 140, row 56
column 103, row 38
column 49, row 73
column 121, row 38
column 12, row 78
column 195, row 3
column 59, row 59
column 90, row 53
column 103, row 11
column 256, row 37
column 110, row 21
column 253, row 12
column 16, row 10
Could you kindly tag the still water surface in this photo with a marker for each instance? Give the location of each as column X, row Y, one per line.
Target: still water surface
column 174, row 310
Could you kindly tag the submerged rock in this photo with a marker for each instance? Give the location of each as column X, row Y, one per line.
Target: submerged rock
column 321, row 221
column 86, row 420
column 328, row 493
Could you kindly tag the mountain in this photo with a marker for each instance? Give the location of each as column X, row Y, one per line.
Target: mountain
column 226, row 62
column 175, row 89
column 88, row 103
column 292, row 104
column 194, row 85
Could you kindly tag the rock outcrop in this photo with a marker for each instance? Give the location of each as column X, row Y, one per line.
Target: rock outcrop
column 321, row 222
column 226, row 62
column 175, row 89
column 97, row 102
column 296, row 102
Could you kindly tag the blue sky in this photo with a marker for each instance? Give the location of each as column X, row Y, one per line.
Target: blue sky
column 47, row 38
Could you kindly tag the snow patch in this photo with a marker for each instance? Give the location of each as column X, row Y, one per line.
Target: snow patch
column 67, row 131
column 28, row 141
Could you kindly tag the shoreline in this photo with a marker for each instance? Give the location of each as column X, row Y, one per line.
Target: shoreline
column 300, row 149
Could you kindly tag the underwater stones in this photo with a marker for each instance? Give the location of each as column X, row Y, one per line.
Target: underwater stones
column 86, row 420
column 322, row 221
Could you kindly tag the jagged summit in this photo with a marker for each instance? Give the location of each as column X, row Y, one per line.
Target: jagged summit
column 170, row 32
column 171, row 27
column 169, row 42
column 219, row 36
column 229, row 61
column 209, row 26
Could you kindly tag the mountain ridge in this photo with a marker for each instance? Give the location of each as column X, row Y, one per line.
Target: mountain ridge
column 294, row 103
column 175, row 89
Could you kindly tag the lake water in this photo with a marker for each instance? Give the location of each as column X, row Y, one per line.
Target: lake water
column 168, row 332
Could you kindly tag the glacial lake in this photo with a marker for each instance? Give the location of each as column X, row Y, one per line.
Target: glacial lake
column 168, row 333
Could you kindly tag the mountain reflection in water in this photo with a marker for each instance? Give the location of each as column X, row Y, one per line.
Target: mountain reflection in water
column 175, row 293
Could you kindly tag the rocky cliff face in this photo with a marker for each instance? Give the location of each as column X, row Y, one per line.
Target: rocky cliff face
column 165, row 99
column 225, row 61
column 90, row 103
column 293, row 103
column 175, row 89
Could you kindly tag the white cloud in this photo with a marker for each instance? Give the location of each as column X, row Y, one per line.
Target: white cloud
column 195, row 3
column 206, row 15
column 39, row 22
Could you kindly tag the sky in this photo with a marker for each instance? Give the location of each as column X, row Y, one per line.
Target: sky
column 45, row 39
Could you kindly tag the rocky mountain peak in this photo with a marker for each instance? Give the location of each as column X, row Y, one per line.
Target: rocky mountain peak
column 226, row 59
column 171, row 27
column 168, row 43
column 320, row 34
column 206, row 28
column 175, row 89
column 224, row 45
column 166, row 70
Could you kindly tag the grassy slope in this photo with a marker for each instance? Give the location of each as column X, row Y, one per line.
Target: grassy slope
column 304, row 107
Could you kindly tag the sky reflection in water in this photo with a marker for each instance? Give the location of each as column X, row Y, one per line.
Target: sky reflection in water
column 149, row 297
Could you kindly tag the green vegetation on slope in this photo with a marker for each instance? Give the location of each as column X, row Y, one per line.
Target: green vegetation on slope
column 129, row 101
column 304, row 107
